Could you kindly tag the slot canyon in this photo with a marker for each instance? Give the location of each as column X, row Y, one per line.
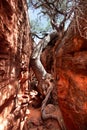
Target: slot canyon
column 65, row 59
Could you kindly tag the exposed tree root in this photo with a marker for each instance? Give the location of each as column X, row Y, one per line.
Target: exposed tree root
column 45, row 80
column 53, row 114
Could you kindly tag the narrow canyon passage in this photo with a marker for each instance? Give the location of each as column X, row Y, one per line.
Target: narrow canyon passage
column 20, row 106
column 42, row 87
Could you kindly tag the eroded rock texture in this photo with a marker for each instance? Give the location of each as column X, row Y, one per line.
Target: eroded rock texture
column 68, row 62
column 15, row 51
column 71, row 71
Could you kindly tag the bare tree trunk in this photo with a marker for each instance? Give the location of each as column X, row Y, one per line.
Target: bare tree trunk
column 45, row 80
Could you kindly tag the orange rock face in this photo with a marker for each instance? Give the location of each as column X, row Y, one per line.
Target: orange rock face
column 15, row 49
column 68, row 63
column 71, row 67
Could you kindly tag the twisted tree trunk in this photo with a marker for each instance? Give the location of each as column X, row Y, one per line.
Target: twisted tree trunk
column 38, row 68
column 45, row 80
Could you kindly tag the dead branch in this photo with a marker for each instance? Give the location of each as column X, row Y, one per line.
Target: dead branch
column 35, row 35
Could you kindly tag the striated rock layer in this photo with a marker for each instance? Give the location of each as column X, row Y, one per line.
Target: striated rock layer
column 15, row 50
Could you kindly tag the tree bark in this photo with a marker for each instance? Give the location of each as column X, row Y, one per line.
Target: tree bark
column 45, row 80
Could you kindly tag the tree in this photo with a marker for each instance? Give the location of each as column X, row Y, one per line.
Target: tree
column 60, row 12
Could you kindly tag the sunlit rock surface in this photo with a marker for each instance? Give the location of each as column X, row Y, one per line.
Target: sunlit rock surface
column 68, row 63
column 15, row 49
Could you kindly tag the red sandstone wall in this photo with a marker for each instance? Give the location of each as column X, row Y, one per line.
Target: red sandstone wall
column 71, row 76
column 15, row 50
column 68, row 63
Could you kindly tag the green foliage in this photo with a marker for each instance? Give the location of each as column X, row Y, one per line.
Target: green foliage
column 48, row 12
column 39, row 25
